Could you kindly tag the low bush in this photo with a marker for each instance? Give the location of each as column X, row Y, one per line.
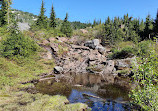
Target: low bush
column 16, row 45
column 123, row 53
column 144, row 48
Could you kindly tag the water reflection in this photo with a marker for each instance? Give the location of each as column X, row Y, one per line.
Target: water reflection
column 97, row 104
column 112, row 95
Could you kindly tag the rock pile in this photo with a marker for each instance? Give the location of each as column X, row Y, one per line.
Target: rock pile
column 87, row 58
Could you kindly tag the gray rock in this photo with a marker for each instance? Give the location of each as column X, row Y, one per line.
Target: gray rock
column 100, row 49
column 125, row 63
column 96, row 42
column 93, row 44
column 90, row 44
column 109, row 67
column 58, row 70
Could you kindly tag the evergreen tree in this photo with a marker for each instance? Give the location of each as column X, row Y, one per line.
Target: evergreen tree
column 100, row 21
column 94, row 23
column 156, row 24
column 66, row 27
column 52, row 18
column 141, row 29
column 42, row 19
column 5, row 12
column 148, row 28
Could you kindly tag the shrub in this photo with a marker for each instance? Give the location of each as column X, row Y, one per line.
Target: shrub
column 146, row 92
column 123, row 53
column 144, row 48
column 16, row 45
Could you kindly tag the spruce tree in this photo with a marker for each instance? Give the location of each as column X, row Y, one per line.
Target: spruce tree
column 52, row 18
column 42, row 19
column 66, row 27
column 94, row 23
column 100, row 21
column 148, row 27
column 5, row 12
column 156, row 24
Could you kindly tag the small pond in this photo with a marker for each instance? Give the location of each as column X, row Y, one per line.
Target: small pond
column 98, row 93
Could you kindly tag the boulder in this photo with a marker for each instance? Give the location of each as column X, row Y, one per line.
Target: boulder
column 96, row 42
column 122, row 64
column 90, row 44
column 58, row 70
column 109, row 67
column 101, row 49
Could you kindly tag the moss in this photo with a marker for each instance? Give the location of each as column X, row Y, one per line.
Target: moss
column 55, row 103
column 23, row 101
column 123, row 72
column 77, row 107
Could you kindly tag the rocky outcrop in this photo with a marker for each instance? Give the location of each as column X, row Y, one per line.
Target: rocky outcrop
column 123, row 66
column 87, row 58
column 95, row 44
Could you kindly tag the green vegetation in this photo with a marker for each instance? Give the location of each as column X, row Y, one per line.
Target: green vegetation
column 23, row 17
column 16, row 45
column 52, row 18
column 78, row 25
column 42, row 19
column 5, row 12
column 146, row 74
column 66, row 27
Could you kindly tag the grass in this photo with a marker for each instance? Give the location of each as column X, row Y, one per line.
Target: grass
column 12, row 73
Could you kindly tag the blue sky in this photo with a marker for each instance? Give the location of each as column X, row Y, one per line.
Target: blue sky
column 88, row 10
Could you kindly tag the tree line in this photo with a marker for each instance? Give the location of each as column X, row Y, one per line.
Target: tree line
column 129, row 29
column 43, row 22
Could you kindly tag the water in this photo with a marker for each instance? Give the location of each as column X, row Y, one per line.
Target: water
column 99, row 94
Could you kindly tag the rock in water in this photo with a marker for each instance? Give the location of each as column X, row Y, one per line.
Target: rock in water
column 58, row 70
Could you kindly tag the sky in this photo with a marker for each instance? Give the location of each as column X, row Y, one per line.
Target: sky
column 88, row 10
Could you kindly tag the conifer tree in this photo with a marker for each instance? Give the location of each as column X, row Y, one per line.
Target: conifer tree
column 66, row 27
column 5, row 12
column 52, row 18
column 100, row 21
column 156, row 24
column 148, row 27
column 94, row 23
column 41, row 21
